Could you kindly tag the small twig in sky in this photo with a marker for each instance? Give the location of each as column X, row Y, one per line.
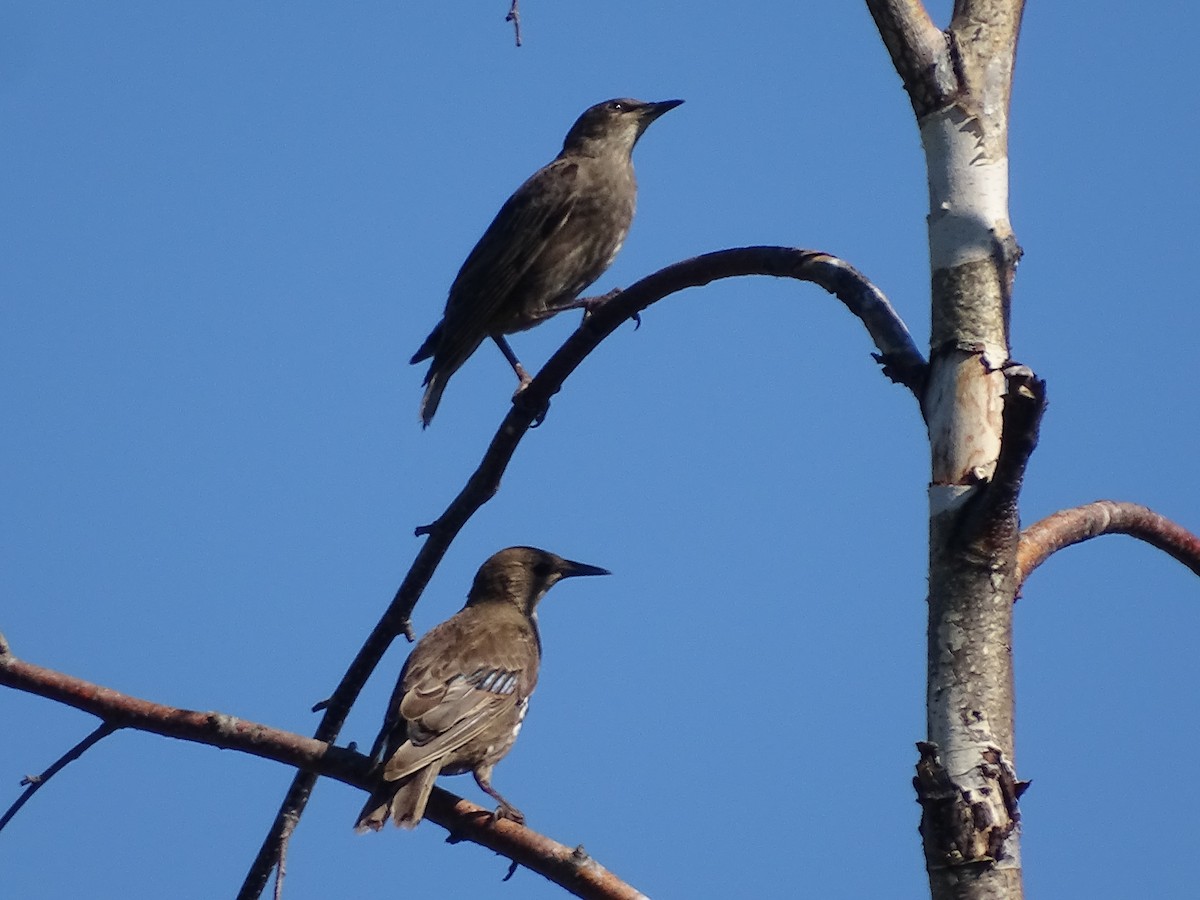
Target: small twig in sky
column 35, row 782
column 514, row 16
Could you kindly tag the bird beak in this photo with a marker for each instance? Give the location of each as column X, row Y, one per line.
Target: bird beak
column 576, row 568
column 654, row 110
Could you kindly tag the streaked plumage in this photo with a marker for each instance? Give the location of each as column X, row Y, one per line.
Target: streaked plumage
column 463, row 693
column 556, row 235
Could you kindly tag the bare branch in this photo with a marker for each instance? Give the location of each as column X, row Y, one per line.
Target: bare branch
column 570, row 867
column 566, row 866
column 1072, row 526
column 35, row 782
column 898, row 353
column 919, row 51
column 119, row 710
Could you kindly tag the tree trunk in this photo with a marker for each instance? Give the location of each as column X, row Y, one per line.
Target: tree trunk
column 959, row 82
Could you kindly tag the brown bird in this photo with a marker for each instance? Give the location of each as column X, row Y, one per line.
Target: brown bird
column 556, row 235
column 464, row 690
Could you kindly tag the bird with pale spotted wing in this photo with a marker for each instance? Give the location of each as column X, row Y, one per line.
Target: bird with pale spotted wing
column 463, row 693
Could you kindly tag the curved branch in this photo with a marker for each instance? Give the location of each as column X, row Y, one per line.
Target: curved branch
column 901, row 360
column 1072, row 526
column 569, row 867
column 35, row 782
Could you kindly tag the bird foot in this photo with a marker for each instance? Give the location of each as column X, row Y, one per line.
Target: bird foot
column 588, row 304
column 504, row 811
column 518, row 399
column 591, row 304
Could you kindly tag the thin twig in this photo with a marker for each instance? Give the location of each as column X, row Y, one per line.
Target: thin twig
column 1072, row 526
column 514, row 16
column 35, row 782
column 898, row 353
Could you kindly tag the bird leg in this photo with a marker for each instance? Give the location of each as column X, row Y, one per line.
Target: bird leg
column 521, row 374
column 512, row 361
column 483, row 778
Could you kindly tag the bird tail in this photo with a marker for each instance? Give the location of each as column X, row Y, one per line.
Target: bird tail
column 435, row 383
column 403, row 800
column 427, row 348
column 408, row 805
column 448, row 356
column 375, row 813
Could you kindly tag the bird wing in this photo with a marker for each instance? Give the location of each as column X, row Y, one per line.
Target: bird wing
column 444, row 715
column 508, row 249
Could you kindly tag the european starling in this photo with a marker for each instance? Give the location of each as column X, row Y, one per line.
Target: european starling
column 463, row 692
column 551, row 239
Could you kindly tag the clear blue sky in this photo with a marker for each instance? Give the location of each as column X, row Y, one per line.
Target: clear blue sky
column 226, row 229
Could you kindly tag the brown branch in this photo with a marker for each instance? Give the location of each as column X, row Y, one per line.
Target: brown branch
column 902, row 362
column 569, row 867
column 1072, row 526
column 215, row 729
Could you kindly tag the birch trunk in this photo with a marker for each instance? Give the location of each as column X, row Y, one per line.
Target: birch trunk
column 959, row 82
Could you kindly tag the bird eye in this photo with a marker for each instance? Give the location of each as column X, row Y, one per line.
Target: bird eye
column 542, row 569
column 617, row 106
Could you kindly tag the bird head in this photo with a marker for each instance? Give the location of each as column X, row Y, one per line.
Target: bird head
column 523, row 575
column 613, row 126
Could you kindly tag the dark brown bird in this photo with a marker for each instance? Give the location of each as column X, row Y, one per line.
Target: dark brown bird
column 463, row 692
column 551, row 239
